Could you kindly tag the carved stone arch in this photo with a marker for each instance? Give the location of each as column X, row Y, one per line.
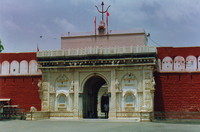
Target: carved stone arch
column 23, row 67
column 191, row 63
column 129, row 92
column 167, row 64
column 61, row 93
column 179, row 63
column 62, row 83
column 129, row 81
column 92, row 75
column 14, row 67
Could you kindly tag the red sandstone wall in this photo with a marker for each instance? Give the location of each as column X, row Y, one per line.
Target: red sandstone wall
column 177, row 51
column 22, row 89
column 177, row 91
column 18, row 56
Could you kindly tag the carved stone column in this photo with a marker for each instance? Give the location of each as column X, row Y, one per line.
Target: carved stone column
column 76, row 95
column 45, row 104
column 71, row 95
column 112, row 105
column 52, row 101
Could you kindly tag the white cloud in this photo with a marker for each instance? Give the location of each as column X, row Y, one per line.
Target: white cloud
column 65, row 24
column 12, row 26
column 139, row 10
column 178, row 10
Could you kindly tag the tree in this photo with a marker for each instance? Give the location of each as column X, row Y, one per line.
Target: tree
column 1, row 47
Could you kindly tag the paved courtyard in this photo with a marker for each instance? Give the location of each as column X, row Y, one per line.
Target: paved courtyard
column 94, row 126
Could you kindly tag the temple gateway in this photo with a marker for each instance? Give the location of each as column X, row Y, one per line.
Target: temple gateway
column 102, row 75
column 114, row 71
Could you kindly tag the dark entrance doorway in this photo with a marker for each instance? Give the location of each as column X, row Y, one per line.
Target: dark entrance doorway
column 90, row 96
column 105, row 105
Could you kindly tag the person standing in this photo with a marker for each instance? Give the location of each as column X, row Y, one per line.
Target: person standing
column 106, row 109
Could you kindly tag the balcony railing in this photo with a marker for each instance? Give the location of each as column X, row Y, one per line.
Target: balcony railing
column 97, row 51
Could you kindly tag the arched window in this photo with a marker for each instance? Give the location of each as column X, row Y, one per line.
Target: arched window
column 24, row 67
column 5, row 68
column 167, row 64
column 62, row 99
column 129, row 99
column 191, row 63
column 179, row 63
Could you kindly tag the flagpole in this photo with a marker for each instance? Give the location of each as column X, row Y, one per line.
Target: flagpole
column 107, row 14
column 107, row 24
column 38, row 48
column 95, row 26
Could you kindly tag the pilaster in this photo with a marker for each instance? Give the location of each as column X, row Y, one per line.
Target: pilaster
column 113, row 108
column 76, row 95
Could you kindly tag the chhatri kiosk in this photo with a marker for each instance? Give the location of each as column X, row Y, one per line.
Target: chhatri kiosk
column 91, row 71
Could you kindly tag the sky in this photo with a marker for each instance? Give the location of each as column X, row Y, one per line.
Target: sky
column 170, row 22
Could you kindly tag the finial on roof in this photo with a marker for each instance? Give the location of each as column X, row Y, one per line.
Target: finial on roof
column 101, row 27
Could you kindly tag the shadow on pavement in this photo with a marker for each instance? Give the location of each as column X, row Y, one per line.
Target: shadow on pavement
column 197, row 122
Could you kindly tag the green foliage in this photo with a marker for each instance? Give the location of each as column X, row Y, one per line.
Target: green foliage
column 1, row 47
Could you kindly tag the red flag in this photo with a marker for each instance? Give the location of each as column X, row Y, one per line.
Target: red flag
column 107, row 14
column 38, row 48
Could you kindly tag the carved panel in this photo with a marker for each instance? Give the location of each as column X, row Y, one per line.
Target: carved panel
column 44, row 85
column 45, row 96
column 45, row 106
column 52, row 102
column 147, row 84
column 147, row 75
column 129, row 82
column 62, row 83
column 149, row 104
column 148, row 96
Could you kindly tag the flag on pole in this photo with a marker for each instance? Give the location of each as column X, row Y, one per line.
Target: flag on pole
column 107, row 14
column 38, row 48
column 95, row 25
